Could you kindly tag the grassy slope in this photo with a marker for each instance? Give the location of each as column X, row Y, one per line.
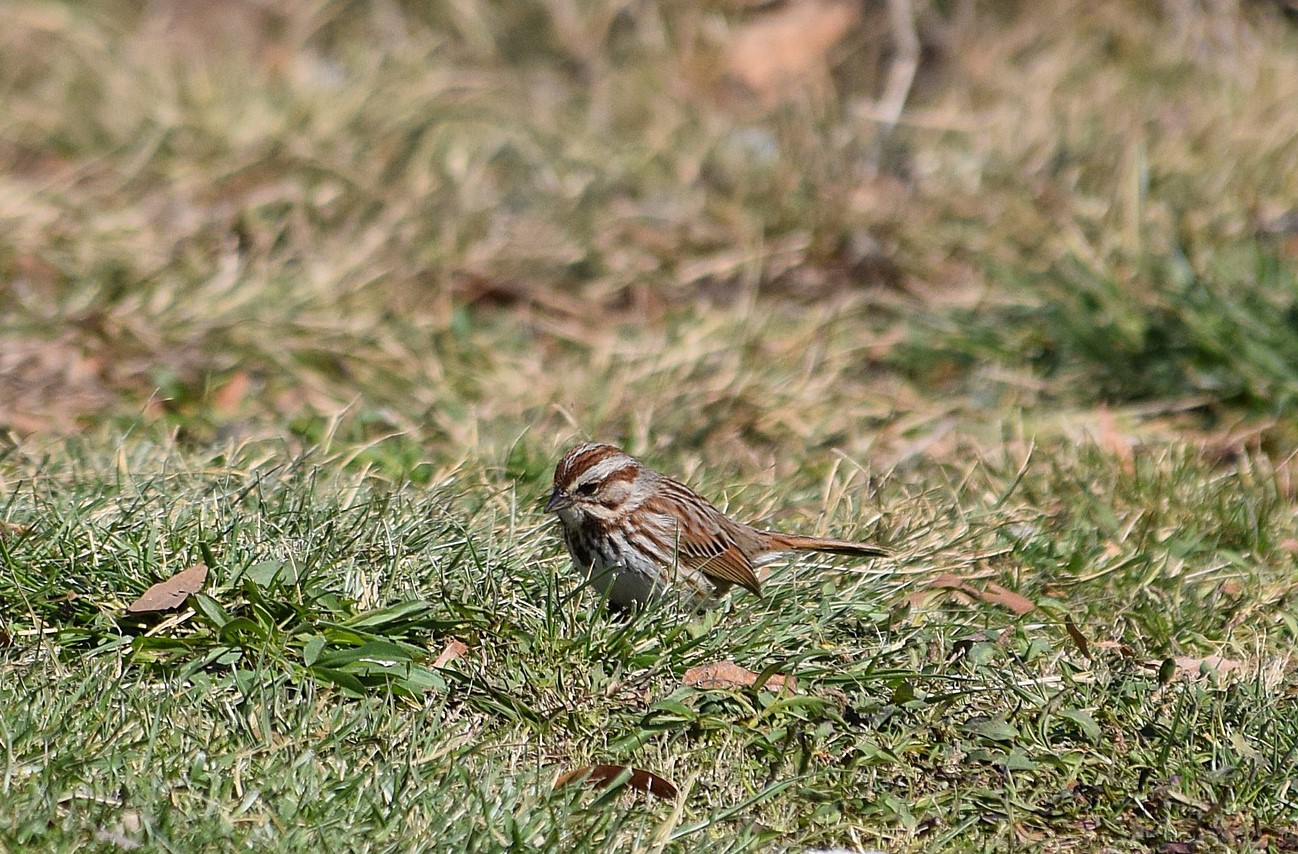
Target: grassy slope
column 335, row 293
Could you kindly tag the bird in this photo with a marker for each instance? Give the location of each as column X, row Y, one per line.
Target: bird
column 639, row 535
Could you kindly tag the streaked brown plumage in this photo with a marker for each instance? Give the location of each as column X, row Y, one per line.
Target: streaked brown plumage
column 637, row 533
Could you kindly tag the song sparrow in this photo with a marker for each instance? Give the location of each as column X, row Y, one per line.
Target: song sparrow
column 637, row 533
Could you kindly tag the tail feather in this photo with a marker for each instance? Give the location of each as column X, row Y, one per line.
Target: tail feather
column 796, row 542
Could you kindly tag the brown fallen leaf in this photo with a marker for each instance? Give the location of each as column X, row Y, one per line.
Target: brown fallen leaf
column 170, row 593
column 1113, row 440
column 13, row 529
column 227, row 399
column 1192, row 668
column 948, row 581
column 779, row 51
column 994, row 594
column 453, row 650
column 604, row 775
column 920, row 598
column 1231, row 587
column 727, row 674
column 1078, row 638
column 1125, row 650
column 1016, row 602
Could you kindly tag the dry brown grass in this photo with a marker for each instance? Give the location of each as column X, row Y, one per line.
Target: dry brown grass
column 331, row 283
column 325, row 206
column 466, row 231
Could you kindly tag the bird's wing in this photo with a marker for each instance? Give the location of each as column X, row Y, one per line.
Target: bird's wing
column 716, row 555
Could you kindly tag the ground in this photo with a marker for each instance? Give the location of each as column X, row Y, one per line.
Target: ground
column 314, row 295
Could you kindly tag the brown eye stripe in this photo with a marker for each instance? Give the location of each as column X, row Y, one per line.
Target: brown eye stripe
column 627, row 472
column 581, row 458
column 601, row 464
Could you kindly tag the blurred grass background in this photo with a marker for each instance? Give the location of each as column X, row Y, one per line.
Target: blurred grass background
column 1009, row 286
column 622, row 219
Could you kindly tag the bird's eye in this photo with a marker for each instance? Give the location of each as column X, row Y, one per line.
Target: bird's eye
column 586, row 489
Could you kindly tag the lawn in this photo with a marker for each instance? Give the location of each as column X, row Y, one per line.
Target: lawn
column 313, row 295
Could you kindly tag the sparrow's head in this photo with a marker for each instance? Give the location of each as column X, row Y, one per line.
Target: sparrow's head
column 595, row 481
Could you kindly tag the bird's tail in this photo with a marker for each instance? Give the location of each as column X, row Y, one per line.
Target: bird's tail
column 796, row 542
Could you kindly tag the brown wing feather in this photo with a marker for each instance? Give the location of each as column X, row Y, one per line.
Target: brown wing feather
column 716, row 556
column 704, row 542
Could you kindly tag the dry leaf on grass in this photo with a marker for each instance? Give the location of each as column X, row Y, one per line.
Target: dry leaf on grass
column 1113, row 440
column 727, row 674
column 453, row 650
column 13, row 529
column 995, row 594
column 1123, row 649
column 1016, row 602
column 1189, row 667
column 1231, row 587
column 778, row 50
column 604, row 775
column 228, row 398
column 1078, row 638
column 170, row 593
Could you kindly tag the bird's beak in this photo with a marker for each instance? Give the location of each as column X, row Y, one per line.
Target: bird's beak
column 558, row 501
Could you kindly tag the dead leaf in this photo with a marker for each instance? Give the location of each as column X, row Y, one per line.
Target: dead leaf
column 948, row 581
column 172, row 592
column 1125, row 650
column 920, row 598
column 952, row 582
column 995, row 594
column 1114, row 441
column 1231, row 587
column 1078, row 638
column 1192, row 668
column 13, row 529
column 227, row 398
column 1016, row 602
column 604, row 775
column 781, row 51
column 727, row 674
column 453, row 650
column 1189, row 667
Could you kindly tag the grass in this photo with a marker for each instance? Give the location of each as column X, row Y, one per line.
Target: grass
column 920, row 719
column 316, row 296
